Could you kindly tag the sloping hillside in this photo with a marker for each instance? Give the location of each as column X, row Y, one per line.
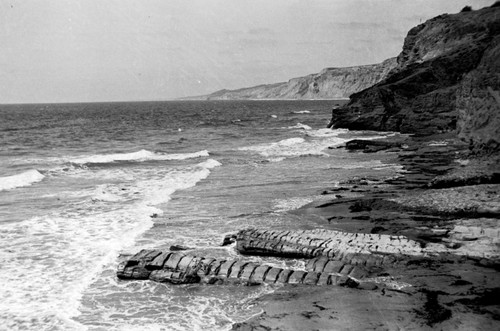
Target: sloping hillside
column 447, row 78
column 330, row 83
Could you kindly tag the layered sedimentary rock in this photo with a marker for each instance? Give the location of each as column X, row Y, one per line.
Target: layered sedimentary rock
column 336, row 245
column 176, row 268
column 335, row 257
column 376, row 250
column 330, row 83
column 447, row 74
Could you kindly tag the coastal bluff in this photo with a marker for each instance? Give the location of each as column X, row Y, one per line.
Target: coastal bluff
column 330, row 83
column 446, row 79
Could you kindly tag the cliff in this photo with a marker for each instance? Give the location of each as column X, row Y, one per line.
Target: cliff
column 447, row 78
column 330, row 83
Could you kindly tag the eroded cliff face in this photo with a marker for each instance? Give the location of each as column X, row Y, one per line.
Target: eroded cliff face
column 330, row 83
column 478, row 102
column 446, row 79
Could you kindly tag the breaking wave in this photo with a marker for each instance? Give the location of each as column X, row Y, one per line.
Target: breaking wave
column 20, row 180
column 295, row 147
column 300, row 126
column 142, row 155
column 49, row 261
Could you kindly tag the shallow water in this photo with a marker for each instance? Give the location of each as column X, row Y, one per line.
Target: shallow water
column 83, row 185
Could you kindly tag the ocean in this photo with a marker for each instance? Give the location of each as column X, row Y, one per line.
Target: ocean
column 83, row 186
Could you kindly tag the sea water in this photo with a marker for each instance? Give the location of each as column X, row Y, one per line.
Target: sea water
column 83, row 186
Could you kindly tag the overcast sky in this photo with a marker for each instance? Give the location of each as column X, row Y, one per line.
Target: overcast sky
column 105, row 50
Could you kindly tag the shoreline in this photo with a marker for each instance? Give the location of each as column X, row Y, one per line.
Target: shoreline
column 429, row 203
column 416, row 250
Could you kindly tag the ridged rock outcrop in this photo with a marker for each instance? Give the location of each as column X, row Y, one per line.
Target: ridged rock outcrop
column 335, row 257
column 330, row 83
column 337, row 245
column 447, row 74
column 366, row 249
column 176, row 268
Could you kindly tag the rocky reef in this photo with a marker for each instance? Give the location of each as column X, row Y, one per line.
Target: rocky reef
column 330, row 83
column 446, row 79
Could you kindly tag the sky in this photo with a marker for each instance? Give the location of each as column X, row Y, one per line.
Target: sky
column 137, row 50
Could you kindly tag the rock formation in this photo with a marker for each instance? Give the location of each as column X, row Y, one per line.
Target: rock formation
column 330, row 83
column 446, row 79
column 478, row 100
column 336, row 245
column 335, row 257
column 175, row 268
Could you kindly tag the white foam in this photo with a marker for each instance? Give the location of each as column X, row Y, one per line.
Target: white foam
column 282, row 205
column 158, row 189
column 142, row 155
column 325, row 133
column 438, row 143
column 199, row 311
column 315, row 144
column 301, row 112
column 294, row 147
column 372, row 164
column 347, row 164
column 291, row 142
column 395, row 167
column 49, row 261
column 300, row 126
column 209, row 164
column 109, row 193
column 276, row 159
column 20, row 180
